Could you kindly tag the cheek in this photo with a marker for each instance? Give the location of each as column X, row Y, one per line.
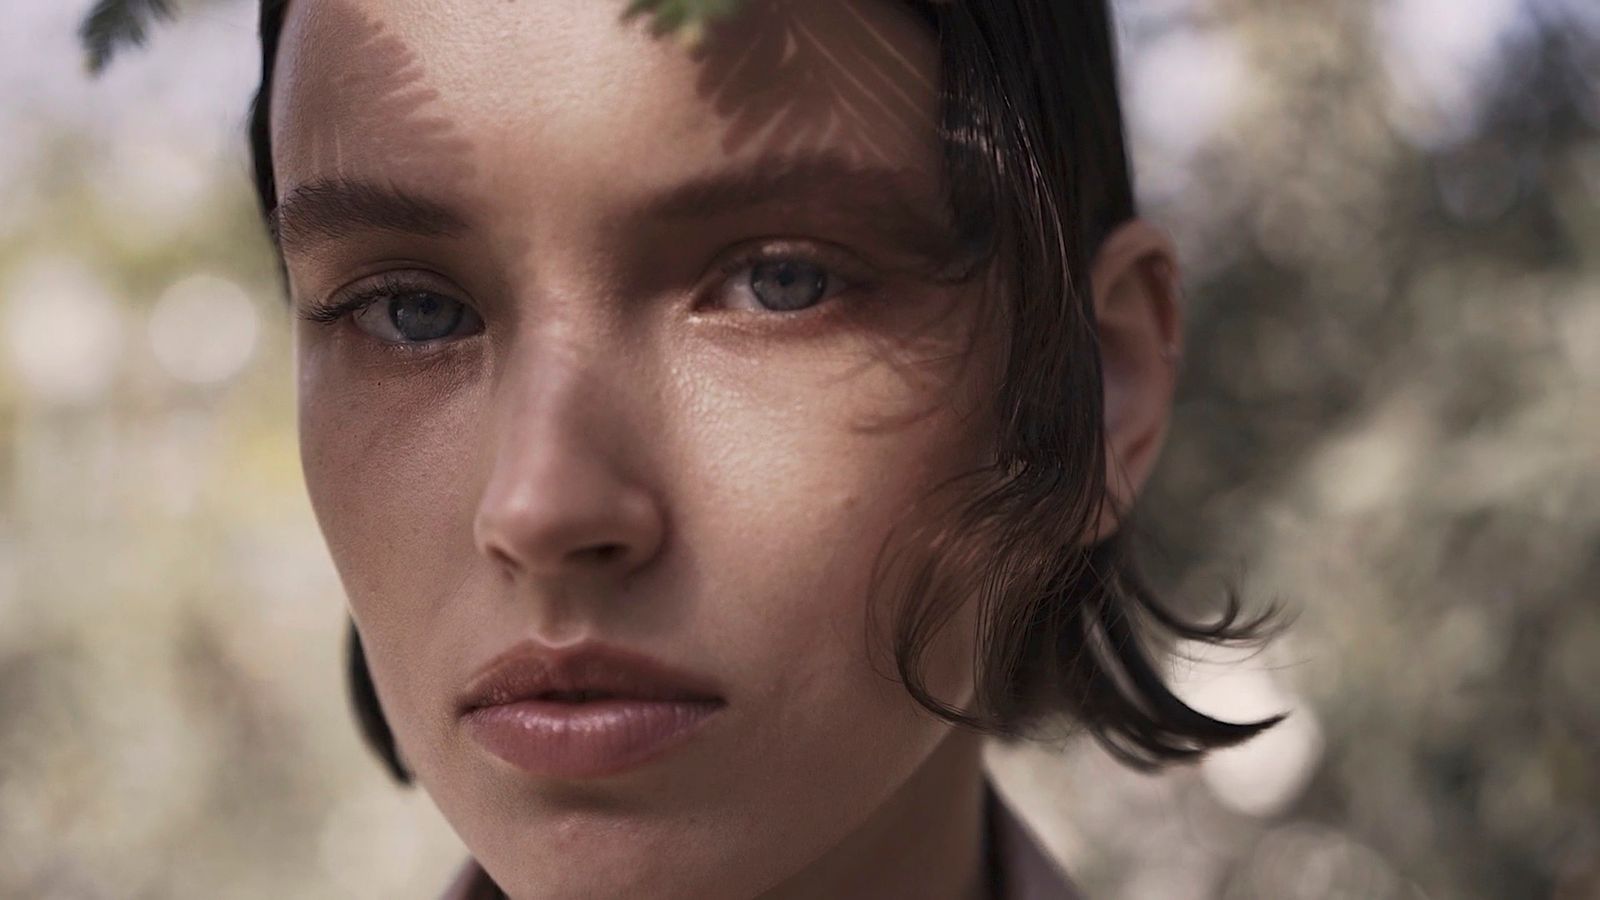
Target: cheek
column 798, row 582
column 819, row 461
column 830, row 730
column 388, row 467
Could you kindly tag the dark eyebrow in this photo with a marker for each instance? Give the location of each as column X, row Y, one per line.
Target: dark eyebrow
column 324, row 209
column 826, row 185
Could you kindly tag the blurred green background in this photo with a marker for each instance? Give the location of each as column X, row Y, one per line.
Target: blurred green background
column 1390, row 421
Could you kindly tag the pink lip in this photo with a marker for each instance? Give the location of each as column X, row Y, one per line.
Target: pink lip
column 585, row 740
column 644, row 709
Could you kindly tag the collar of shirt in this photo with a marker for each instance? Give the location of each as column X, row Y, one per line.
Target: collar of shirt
column 1019, row 866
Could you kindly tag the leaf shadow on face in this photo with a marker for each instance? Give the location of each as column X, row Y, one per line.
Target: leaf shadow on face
column 375, row 84
column 378, row 87
column 794, row 75
column 857, row 79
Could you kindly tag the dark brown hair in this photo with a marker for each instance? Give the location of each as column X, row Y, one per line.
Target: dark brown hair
column 1038, row 176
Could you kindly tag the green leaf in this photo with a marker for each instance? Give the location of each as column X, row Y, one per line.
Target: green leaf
column 687, row 18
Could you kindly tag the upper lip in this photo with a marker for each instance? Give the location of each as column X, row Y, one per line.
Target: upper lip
column 530, row 669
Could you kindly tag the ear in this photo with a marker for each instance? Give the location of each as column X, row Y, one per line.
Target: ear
column 1139, row 323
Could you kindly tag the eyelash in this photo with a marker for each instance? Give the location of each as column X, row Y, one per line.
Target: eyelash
column 391, row 284
column 339, row 306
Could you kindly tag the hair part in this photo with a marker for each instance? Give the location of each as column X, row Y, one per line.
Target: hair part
column 1068, row 632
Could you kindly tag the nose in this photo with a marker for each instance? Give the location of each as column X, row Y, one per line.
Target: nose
column 563, row 499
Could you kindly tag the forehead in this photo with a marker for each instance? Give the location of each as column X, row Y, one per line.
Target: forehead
column 491, row 96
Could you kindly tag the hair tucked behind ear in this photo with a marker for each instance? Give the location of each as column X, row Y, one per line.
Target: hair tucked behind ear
column 1068, row 631
column 1037, row 172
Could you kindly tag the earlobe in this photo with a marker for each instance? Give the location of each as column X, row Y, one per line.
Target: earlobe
column 1138, row 324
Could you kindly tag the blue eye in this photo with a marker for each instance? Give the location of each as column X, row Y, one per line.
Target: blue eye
column 787, row 285
column 404, row 311
column 424, row 316
column 413, row 316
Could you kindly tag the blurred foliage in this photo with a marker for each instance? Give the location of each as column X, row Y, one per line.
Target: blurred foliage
column 1390, row 419
column 113, row 24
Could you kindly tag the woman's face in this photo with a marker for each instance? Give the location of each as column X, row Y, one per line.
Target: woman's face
column 653, row 357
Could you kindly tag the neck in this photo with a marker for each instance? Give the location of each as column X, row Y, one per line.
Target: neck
column 926, row 840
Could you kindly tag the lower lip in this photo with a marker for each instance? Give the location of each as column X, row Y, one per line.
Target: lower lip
column 586, row 740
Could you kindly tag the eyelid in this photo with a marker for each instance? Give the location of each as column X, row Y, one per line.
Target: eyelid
column 775, row 249
column 357, row 295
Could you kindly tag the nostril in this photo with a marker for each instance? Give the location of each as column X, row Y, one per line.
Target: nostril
column 503, row 560
column 603, row 553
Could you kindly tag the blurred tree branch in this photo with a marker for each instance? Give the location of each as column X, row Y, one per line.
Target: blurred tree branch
column 113, row 24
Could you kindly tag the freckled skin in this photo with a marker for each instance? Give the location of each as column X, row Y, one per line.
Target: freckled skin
column 741, row 463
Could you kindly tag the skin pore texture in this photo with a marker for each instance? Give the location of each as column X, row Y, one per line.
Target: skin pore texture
column 618, row 441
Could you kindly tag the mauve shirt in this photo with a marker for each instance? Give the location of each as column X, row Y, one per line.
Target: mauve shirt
column 1019, row 868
